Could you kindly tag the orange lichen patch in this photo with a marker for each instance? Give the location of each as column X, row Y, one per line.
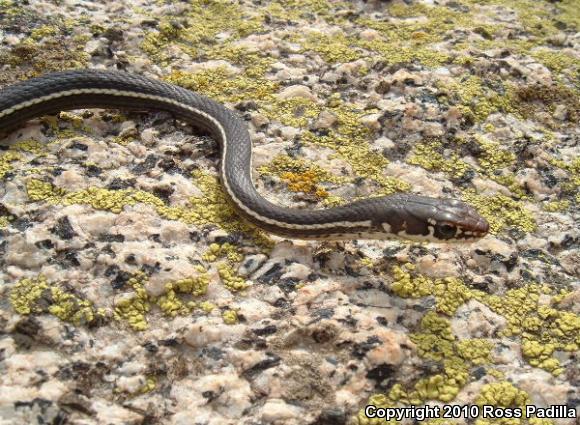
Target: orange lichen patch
column 306, row 182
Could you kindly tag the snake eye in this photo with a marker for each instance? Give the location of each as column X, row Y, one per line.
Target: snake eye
column 446, row 230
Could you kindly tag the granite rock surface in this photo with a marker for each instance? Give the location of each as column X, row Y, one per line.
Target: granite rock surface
column 131, row 293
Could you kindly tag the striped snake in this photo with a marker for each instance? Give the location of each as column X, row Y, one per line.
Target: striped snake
column 403, row 215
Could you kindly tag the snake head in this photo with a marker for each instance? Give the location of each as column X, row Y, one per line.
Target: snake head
column 439, row 220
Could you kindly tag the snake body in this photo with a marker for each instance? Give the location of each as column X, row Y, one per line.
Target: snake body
column 400, row 215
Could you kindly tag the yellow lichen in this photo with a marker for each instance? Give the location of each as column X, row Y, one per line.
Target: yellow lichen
column 501, row 211
column 417, row 39
column 25, row 294
column 176, row 300
column 36, row 296
column 542, row 329
column 350, row 141
column 4, row 221
column 150, row 384
column 332, row 48
column 228, row 250
column 449, row 292
column 172, row 305
column 379, row 400
column 395, row 54
column 29, row 146
column 196, row 285
column 493, row 157
column 134, row 308
column 475, row 98
column 476, row 350
column 5, row 162
column 230, row 317
column 199, row 24
column 125, row 139
column 305, row 9
column 207, row 306
column 255, row 64
column 494, row 161
column 305, row 182
column 231, row 279
column 506, row 396
column 172, row 302
column 442, row 387
column 495, row 373
column 436, row 342
column 502, row 394
column 213, row 208
column 219, row 84
column 532, row 100
column 47, row 48
column 557, row 206
column 572, row 167
column 296, row 112
column 428, row 156
column 557, row 61
column 43, row 31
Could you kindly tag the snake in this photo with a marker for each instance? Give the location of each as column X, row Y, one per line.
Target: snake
column 401, row 215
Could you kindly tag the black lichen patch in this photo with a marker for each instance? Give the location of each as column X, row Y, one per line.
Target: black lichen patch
column 79, row 146
column 120, row 278
column 85, row 375
column 331, row 417
column 94, row 171
column 361, row 349
column 44, row 244
column 164, row 193
column 272, row 361
column 288, row 285
column 28, row 326
column 108, row 237
column 272, row 275
column 324, row 333
column 266, row 330
column 170, row 166
column 322, row 313
column 67, row 258
column 120, row 184
column 21, row 224
column 64, row 229
column 151, row 347
column 381, row 375
column 147, row 165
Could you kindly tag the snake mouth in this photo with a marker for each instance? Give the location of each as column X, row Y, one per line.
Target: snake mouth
column 471, row 234
column 482, row 226
column 475, row 224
